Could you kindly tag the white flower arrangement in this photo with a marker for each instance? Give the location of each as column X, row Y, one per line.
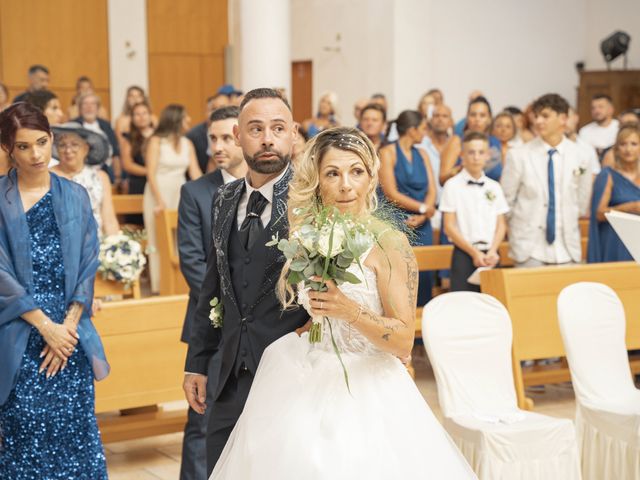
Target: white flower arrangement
column 216, row 312
column 490, row 195
column 121, row 259
column 325, row 246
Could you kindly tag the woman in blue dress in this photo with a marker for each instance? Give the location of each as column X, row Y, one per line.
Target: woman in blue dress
column 615, row 188
column 325, row 118
column 478, row 120
column 49, row 349
column 407, row 181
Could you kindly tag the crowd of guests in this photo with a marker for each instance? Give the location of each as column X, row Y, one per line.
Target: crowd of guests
column 526, row 175
column 528, row 172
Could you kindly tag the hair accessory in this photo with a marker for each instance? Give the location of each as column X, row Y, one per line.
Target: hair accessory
column 350, row 141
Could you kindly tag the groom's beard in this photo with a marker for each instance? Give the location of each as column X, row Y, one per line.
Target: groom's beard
column 267, row 166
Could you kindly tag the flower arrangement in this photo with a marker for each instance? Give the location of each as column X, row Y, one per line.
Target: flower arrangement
column 579, row 171
column 321, row 249
column 121, row 259
column 490, row 195
column 216, row 312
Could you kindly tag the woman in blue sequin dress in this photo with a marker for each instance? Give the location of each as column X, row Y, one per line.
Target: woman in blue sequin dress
column 49, row 350
column 407, row 181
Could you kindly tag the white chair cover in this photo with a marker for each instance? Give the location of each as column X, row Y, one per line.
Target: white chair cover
column 592, row 324
column 468, row 339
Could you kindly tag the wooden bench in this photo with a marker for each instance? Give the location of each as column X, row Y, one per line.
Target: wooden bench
column 438, row 257
column 127, row 204
column 171, row 280
column 142, row 343
column 530, row 295
column 108, row 288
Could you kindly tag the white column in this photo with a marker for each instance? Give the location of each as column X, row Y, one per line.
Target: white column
column 128, row 52
column 265, row 44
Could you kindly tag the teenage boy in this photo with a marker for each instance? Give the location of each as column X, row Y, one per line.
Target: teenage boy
column 474, row 211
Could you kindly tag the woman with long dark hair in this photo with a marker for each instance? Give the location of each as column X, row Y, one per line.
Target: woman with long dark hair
column 478, row 120
column 169, row 156
column 50, row 351
column 407, row 181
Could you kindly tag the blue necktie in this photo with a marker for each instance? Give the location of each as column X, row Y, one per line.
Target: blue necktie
column 551, row 212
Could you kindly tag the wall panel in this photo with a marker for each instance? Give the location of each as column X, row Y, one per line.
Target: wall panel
column 186, row 42
column 68, row 36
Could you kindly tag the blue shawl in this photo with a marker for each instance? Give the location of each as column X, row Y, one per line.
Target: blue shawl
column 80, row 246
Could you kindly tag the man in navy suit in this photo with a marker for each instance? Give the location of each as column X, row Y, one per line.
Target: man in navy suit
column 194, row 241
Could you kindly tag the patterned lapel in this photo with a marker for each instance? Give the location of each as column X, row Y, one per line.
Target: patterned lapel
column 224, row 211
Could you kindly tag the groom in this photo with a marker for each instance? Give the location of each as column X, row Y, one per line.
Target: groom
column 241, row 271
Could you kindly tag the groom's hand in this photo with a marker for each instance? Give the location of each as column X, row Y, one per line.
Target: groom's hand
column 195, row 389
column 305, row 328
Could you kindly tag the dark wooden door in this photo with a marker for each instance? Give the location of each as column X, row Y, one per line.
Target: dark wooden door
column 301, row 90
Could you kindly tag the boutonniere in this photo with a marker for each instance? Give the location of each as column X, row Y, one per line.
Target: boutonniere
column 215, row 314
column 490, row 195
column 579, row 171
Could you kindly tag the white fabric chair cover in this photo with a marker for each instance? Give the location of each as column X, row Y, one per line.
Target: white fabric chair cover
column 468, row 339
column 592, row 324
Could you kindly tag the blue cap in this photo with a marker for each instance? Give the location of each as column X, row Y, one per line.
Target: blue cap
column 228, row 89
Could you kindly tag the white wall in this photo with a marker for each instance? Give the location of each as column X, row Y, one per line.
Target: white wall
column 128, row 53
column 604, row 18
column 362, row 66
column 513, row 51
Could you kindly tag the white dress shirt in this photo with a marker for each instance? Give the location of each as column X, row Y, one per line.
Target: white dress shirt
column 476, row 207
column 227, row 177
column 267, row 192
column 557, row 251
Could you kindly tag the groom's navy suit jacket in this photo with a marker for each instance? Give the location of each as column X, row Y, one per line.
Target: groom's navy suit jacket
column 194, row 237
column 245, row 282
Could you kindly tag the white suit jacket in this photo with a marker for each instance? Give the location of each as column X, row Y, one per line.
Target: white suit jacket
column 525, row 185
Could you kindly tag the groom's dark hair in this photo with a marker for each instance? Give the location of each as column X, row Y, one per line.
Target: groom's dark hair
column 263, row 93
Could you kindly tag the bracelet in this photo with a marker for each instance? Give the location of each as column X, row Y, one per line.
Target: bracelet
column 360, row 309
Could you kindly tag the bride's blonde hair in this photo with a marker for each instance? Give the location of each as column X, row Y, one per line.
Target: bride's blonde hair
column 304, row 189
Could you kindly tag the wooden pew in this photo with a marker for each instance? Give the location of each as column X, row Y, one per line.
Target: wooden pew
column 530, row 295
column 438, row 257
column 126, row 204
column 171, row 280
column 108, row 288
column 142, row 343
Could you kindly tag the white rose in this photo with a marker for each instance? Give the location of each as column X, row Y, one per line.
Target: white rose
column 323, row 241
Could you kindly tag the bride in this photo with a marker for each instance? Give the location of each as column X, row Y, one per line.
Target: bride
column 300, row 420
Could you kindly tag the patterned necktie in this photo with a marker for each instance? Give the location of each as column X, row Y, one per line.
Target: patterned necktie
column 252, row 227
column 551, row 212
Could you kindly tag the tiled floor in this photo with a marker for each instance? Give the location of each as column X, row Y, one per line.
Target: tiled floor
column 159, row 457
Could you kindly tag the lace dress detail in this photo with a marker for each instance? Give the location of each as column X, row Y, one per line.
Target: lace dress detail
column 90, row 180
column 347, row 338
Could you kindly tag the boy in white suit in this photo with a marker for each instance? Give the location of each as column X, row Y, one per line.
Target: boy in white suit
column 547, row 184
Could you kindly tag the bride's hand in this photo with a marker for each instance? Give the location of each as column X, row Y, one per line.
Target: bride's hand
column 332, row 303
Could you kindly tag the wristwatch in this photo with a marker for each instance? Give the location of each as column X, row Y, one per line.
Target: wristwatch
column 423, row 209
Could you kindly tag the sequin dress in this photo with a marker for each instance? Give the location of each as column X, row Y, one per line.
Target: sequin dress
column 48, row 428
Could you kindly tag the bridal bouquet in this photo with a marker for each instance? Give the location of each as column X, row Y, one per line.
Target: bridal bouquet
column 323, row 248
column 121, row 259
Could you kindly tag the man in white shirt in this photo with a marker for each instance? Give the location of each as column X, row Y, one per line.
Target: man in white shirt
column 547, row 184
column 474, row 211
column 601, row 133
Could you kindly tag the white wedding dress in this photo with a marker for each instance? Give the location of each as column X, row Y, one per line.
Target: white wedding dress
column 300, row 421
